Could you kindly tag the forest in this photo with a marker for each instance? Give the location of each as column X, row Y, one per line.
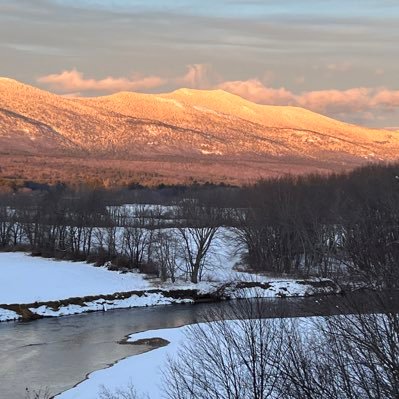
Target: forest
column 343, row 226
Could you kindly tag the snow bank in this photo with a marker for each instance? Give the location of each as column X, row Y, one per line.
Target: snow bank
column 8, row 315
column 142, row 371
column 85, row 288
column 145, row 371
column 280, row 288
column 135, row 301
column 25, row 279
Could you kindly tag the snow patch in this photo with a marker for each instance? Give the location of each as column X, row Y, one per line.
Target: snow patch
column 8, row 315
column 25, row 279
column 144, row 371
column 207, row 110
column 215, row 152
column 171, row 101
column 135, row 301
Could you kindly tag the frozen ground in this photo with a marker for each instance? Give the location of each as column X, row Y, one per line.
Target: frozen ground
column 27, row 279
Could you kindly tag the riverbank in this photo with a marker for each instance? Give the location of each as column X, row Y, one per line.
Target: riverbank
column 33, row 288
column 142, row 372
column 154, row 297
column 69, row 348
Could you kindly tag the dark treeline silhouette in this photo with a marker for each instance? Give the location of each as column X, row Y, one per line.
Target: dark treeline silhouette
column 330, row 226
column 322, row 224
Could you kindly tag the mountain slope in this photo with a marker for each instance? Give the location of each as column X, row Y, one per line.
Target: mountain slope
column 196, row 126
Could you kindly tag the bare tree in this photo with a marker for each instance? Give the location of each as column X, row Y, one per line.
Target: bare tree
column 129, row 393
column 166, row 254
column 198, row 227
column 40, row 394
column 347, row 356
column 228, row 359
column 137, row 236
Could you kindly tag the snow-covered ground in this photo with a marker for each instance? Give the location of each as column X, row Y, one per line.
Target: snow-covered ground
column 144, row 372
column 134, row 301
column 27, row 279
column 275, row 288
column 8, row 315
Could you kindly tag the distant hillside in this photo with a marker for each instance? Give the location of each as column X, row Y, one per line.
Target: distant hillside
column 174, row 137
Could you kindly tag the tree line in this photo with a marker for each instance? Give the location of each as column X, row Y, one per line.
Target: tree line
column 332, row 226
column 325, row 225
column 83, row 226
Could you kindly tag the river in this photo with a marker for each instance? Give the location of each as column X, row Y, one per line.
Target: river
column 59, row 352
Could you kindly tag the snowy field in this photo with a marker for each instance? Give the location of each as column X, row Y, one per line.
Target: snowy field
column 27, row 279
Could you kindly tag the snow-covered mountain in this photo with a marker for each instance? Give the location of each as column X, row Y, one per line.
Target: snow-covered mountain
column 211, row 134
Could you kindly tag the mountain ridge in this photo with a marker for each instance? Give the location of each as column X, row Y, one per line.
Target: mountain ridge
column 209, row 126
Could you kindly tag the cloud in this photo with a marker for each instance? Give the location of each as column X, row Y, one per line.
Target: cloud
column 336, row 101
column 75, row 81
column 356, row 104
column 361, row 100
column 254, row 90
column 388, row 98
column 197, row 76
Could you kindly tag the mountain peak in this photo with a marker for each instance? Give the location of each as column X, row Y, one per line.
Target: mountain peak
column 189, row 91
column 4, row 79
column 13, row 84
column 210, row 93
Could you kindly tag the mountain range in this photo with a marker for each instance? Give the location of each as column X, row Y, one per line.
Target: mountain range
column 177, row 137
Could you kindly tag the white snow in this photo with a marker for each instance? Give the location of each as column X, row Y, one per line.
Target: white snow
column 27, row 279
column 280, row 288
column 135, row 301
column 213, row 152
column 170, row 100
column 8, row 315
column 208, row 110
column 143, row 371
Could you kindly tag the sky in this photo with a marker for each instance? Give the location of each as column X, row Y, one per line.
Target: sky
column 336, row 57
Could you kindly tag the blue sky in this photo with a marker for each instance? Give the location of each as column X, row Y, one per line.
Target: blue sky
column 298, row 52
column 252, row 8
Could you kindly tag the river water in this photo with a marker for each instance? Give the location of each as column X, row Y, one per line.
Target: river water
column 58, row 353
